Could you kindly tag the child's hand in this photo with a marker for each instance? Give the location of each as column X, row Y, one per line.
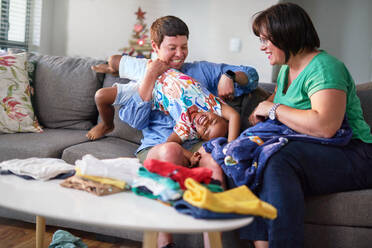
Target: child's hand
column 156, row 67
column 195, row 158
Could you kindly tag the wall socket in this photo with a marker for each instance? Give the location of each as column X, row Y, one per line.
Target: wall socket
column 235, row 45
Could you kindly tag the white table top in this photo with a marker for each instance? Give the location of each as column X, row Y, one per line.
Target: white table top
column 123, row 210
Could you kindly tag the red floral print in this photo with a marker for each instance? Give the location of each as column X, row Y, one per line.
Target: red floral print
column 7, row 60
column 12, row 110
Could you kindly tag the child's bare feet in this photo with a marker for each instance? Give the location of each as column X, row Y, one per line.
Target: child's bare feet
column 99, row 131
column 104, row 68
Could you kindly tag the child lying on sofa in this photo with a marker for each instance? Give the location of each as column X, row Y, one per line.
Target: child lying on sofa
column 197, row 112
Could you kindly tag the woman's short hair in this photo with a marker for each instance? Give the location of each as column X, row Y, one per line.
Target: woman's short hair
column 288, row 27
column 167, row 26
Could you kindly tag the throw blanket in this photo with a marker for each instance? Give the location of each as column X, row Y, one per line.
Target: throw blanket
column 244, row 159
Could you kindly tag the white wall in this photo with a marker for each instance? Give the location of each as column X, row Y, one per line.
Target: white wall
column 345, row 31
column 97, row 28
column 47, row 21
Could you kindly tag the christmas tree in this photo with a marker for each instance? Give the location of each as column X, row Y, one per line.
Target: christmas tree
column 139, row 45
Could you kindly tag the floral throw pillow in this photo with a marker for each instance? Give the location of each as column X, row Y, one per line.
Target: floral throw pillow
column 16, row 111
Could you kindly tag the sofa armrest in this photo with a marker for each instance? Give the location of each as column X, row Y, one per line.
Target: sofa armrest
column 364, row 92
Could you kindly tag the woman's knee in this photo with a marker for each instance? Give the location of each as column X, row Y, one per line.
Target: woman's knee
column 277, row 166
column 280, row 180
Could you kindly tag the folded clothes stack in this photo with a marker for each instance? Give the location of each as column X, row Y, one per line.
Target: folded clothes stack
column 37, row 168
column 165, row 181
column 103, row 177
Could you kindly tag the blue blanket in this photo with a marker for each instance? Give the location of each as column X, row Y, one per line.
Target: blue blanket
column 244, row 159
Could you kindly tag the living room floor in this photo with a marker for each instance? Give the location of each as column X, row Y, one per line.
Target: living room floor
column 18, row 234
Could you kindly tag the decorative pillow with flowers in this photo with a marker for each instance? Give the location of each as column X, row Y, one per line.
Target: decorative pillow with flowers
column 16, row 111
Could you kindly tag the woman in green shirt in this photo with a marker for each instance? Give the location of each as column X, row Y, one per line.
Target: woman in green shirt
column 314, row 93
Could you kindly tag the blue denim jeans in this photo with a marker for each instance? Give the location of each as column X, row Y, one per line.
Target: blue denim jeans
column 300, row 169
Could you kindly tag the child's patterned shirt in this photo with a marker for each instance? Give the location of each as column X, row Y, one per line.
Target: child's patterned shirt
column 179, row 95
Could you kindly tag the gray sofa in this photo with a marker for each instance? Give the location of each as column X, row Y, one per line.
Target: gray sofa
column 64, row 104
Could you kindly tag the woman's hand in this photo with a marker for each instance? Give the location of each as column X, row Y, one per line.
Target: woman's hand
column 261, row 112
column 225, row 88
column 156, row 67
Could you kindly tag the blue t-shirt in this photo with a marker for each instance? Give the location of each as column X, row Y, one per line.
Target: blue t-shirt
column 155, row 125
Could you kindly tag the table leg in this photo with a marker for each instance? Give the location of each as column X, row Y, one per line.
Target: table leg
column 40, row 231
column 215, row 239
column 150, row 239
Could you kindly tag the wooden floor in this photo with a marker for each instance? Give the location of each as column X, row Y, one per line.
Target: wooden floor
column 18, row 234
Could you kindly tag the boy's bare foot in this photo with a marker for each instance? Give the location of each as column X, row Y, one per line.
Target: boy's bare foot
column 98, row 131
column 104, row 68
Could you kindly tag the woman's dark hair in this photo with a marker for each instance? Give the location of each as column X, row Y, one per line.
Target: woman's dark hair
column 288, row 27
column 167, row 26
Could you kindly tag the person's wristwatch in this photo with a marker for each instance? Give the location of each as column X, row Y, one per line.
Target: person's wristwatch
column 272, row 111
column 230, row 74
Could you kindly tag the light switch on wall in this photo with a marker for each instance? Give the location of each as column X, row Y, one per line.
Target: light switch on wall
column 235, row 44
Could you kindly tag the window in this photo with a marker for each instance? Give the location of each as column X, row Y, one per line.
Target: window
column 15, row 24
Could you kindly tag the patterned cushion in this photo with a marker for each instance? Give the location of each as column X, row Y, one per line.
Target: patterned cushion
column 16, row 112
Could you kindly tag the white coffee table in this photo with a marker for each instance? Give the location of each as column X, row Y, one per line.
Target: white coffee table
column 122, row 210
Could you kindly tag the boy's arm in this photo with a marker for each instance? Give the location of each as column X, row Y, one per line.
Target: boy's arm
column 233, row 117
column 174, row 138
column 154, row 70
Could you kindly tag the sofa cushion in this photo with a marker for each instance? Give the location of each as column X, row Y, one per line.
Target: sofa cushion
column 351, row 208
column 108, row 147
column 64, row 91
column 268, row 87
column 364, row 92
column 337, row 236
column 122, row 129
column 48, row 144
column 16, row 111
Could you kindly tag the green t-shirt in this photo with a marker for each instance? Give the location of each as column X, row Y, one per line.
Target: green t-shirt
column 324, row 72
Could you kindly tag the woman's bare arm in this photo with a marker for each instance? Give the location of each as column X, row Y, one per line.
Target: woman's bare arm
column 325, row 117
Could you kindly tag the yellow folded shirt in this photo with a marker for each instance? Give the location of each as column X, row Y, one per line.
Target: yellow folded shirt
column 105, row 180
column 240, row 200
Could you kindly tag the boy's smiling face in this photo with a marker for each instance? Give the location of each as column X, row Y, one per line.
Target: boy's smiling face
column 210, row 125
column 173, row 50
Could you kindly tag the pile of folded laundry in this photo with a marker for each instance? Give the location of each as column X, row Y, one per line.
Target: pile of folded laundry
column 190, row 191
